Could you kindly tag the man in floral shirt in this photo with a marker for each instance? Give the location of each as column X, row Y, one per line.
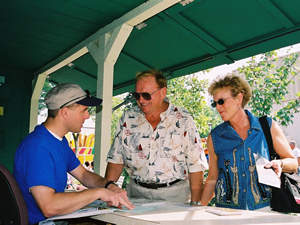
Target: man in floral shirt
column 159, row 145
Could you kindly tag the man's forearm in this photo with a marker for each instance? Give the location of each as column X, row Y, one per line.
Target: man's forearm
column 92, row 180
column 113, row 171
column 52, row 203
column 88, row 178
column 196, row 185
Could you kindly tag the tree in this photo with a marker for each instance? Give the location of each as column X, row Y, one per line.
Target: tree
column 270, row 80
column 116, row 115
column 48, row 85
column 190, row 92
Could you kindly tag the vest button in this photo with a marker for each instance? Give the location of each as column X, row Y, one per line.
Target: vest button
column 243, row 174
column 242, row 158
column 244, row 190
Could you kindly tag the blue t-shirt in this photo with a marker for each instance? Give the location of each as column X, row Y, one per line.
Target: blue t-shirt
column 42, row 159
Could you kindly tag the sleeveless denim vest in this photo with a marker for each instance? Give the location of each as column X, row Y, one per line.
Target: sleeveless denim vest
column 237, row 185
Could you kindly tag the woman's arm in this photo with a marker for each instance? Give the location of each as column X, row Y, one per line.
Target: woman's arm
column 287, row 162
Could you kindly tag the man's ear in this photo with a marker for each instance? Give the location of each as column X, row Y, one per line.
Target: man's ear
column 63, row 112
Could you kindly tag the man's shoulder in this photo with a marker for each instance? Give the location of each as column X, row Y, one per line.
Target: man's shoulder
column 34, row 139
column 179, row 109
column 131, row 112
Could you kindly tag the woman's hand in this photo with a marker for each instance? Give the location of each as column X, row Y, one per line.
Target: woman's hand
column 276, row 165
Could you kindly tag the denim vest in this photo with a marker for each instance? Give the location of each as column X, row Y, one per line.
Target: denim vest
column 237, row 185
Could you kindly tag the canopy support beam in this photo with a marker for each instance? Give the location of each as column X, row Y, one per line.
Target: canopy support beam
column 105, row 52
column 34, row 108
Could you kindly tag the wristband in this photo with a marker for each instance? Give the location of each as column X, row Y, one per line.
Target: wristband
column 108, row 183
column 281, row 163
column 195, row 203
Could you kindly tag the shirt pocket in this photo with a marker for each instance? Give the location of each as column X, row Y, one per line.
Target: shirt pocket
column 174, row 148
column 141, row 150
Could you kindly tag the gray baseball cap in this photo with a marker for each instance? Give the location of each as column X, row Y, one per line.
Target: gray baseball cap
column 67, row 94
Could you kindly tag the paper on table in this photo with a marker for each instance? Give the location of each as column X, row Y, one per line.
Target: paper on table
column 144, row 205
column 224, row 211
column 266, row 176
column 90, row 210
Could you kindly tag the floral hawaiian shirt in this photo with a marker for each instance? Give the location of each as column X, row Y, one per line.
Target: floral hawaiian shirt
column 162, row 155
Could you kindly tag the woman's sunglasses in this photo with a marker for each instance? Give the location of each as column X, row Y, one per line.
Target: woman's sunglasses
column 221, row 101
column 145, row 95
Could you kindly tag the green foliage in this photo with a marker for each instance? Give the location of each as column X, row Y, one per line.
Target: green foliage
column 270, row 80
column 116, row 115
column 47, row 87
column 189, row 92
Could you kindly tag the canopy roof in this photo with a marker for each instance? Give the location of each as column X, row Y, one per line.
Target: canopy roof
column 183, row 39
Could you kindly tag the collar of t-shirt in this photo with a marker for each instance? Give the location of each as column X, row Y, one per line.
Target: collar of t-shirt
column 59, row 138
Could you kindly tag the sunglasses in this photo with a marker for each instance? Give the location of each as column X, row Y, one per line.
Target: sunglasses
column 145, row 95
column 221, row 101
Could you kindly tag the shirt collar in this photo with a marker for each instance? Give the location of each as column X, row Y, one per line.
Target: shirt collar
column 47, row 131
column 254, row 123
column 164, row 114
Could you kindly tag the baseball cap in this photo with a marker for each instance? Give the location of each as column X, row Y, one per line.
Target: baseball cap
column 67, row 94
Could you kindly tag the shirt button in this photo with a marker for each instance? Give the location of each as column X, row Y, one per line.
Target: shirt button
column 242, row 158
column 243, row 174
column 250, row 132
column 244, row 190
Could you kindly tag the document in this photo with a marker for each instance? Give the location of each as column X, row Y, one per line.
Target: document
column 145, row 205
column 95, row 208
column 266, row 176
column 224, row 211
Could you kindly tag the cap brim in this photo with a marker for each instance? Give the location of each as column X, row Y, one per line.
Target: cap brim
column 90, row 101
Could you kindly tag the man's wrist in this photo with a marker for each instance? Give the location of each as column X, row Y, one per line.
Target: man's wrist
column 195, row 203
column 109, row 183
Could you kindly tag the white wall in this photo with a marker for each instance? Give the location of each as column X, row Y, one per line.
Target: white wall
column 293, row 131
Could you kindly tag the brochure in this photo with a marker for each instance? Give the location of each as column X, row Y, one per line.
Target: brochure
column 95, row 208
column 224, row 211
column 266, row 176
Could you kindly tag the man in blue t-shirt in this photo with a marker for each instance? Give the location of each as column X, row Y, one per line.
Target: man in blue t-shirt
column 44, row 158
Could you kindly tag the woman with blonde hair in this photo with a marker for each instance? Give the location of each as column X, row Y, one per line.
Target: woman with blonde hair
column 232, row 145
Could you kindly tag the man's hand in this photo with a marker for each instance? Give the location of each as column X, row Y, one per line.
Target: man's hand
column 117, row 198
column 115, row 188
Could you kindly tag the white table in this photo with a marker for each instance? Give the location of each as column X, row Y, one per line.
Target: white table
column 167, row 213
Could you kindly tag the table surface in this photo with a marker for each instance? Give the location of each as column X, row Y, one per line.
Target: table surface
column 167, row 213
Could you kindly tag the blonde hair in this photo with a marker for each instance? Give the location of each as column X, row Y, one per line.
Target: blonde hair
column 236, row 84
column 159, row 77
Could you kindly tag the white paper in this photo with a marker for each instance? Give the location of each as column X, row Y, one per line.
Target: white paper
column 93, row 209
column 266, row 176
column 224, row 211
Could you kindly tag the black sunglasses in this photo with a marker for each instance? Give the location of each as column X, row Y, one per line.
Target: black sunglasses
column 145, row 95
column 221, row 101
